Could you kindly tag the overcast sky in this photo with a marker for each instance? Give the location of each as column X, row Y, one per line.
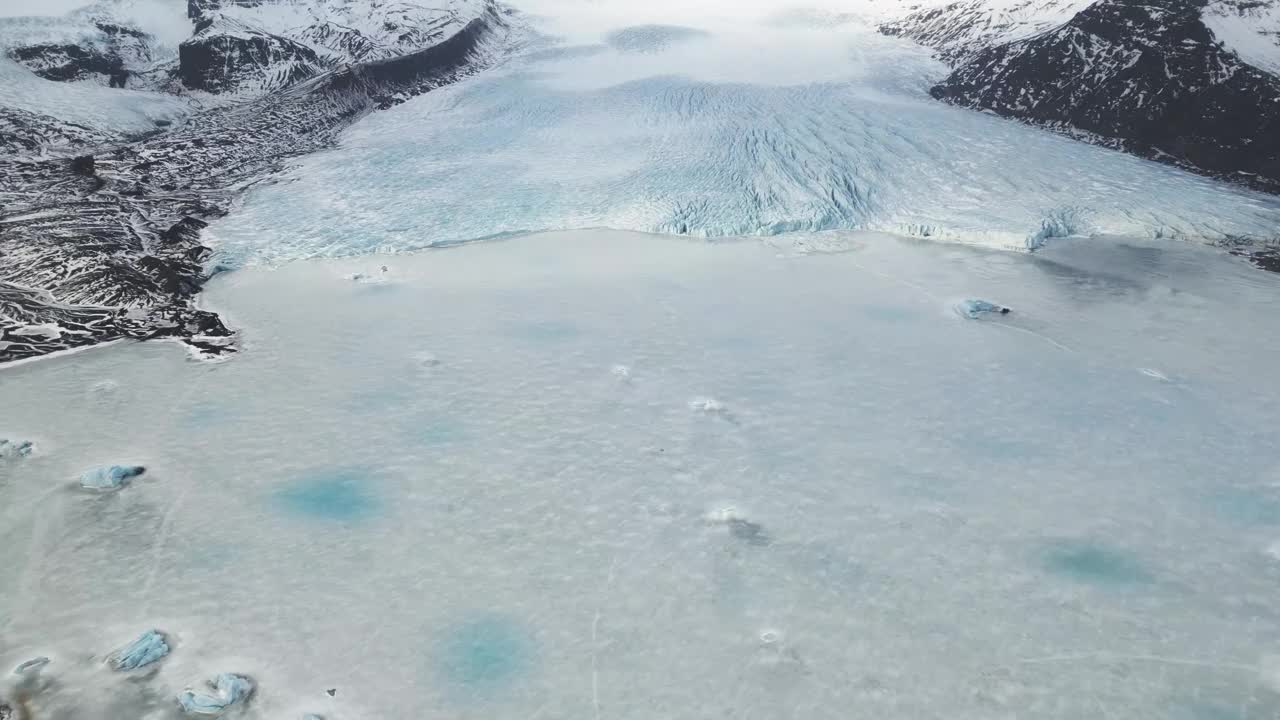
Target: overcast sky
column 39, row 7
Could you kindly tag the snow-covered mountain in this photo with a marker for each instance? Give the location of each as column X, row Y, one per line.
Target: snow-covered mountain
column 960, row 30
column 1182, row 81
column 100, row 229
column 259, row 47
column 1249, row 28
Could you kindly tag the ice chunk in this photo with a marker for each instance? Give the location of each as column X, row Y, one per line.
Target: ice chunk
column 708, row 405
column 31, row 666
column 228, row 689
column 753, row 533
column 311, row 716
column 380, row 276
column 740, row 527
column 15, row 448
column 148, row 648
column 972, row 308
column 1153, row 373
column 110, row 477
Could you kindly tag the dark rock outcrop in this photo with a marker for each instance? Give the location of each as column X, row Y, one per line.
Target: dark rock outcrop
column 1146, row 78
column 23, row 132
column 111, row 56
column 71, row 62
column 115, row 254
column 959, row 30
column 226, row 57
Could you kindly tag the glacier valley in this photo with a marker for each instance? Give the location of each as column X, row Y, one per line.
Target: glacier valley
column 756, row 123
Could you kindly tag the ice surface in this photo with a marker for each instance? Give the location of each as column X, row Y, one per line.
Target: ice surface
column 909, row 514
column 150, row 647
column 726, row 124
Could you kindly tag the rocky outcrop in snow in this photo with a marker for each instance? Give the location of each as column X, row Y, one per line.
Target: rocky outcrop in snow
column 100, row 236
column 1149, row 78
column 960, row 30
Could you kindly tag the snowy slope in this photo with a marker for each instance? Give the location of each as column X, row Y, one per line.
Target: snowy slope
column 1148, row 78
column 126, row 43
column 960, row 30
column 1250, row 28
column 256, row 48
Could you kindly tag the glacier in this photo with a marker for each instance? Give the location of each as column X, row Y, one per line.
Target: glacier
column 719, row 126
column 600, row 473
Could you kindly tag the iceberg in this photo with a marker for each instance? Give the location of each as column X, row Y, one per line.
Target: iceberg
column 31, row 666
column 977, row 308
column 110, row 477
column 15, row 448
column 147, row 649
column 228, row 689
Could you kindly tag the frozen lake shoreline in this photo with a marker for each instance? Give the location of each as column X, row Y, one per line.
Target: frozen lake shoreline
column 595, row 474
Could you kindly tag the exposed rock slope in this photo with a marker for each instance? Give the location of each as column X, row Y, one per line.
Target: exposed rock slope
column 106, row 244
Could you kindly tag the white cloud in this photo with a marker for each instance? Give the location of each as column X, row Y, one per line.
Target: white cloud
column 12, row 8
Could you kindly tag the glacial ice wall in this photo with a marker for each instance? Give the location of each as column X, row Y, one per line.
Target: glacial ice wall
column 723, row 127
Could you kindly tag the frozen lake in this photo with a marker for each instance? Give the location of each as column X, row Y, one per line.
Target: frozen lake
column 609, row 475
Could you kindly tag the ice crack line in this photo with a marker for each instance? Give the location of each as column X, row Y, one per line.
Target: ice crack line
column 595, row 628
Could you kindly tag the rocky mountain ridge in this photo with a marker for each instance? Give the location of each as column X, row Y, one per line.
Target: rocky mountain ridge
column 100, row 234
column 1151, row 78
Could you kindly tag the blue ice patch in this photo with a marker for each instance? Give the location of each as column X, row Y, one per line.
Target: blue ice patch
column 1089, row 562
column 110, row 477
column 148, row 648
column 435, row 432
column 15, row 448
column 330, row 495
column 228, row 689
column 485, row 653
column 975, row 309
column 31, row 666
column 1198, row 709
column 1246, row 507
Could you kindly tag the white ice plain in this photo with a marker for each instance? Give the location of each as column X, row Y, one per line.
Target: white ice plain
column 813, row 490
